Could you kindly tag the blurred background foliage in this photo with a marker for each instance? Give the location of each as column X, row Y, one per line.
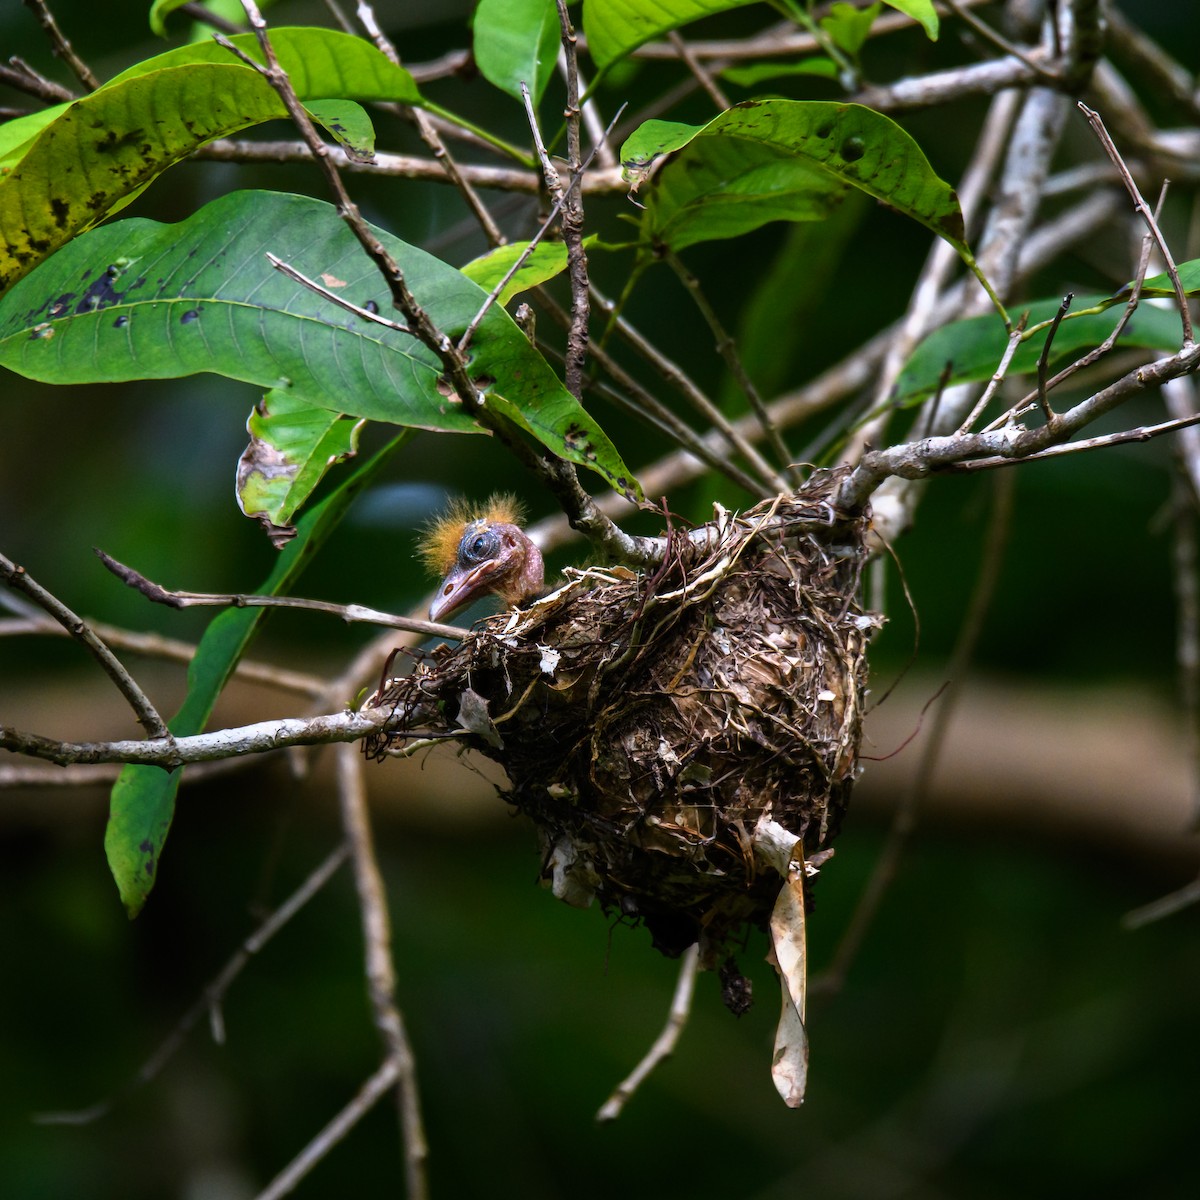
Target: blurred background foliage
column 999, row 1034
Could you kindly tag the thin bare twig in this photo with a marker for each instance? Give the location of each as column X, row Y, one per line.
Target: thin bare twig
column 20, row 75
column 62, row 48
column 212, row 996
column 630, row 396
column 704, row 450
column 664, row 1044
column 371, row 1092
column 147, row 715
column 998, row 376
column 347, row 612
column 904, row 820
column 935, row 401
column 154, row 645
column 598, row 131
column 404, row 166
column 1105, row 347
column 1145, row 212
column 675, row 375
column 1002, row 43
column 1186, row 562
column 205, row 16
column 727, row 348
column 494, row 295
column 1165, row 906
column 380, row 969
column 429, row 134
column 1044, row 357
column 572, row 215
column 703, row 76
column 325, row 293
column 917, row 460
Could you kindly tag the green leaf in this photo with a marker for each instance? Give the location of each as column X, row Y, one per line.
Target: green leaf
column 348, row 124
column 973, row 348
column 515, row 42
column 321, row 63
column 614, row 27
column 547, row 260
column 231, row 10
column 851, row 144
column 648, row 143
column 580, row 443
column 159, row 11
column 921, row 11
column 142, row 803
column 1161, row 285
column 291, row 447
column 724, row 187
column 784, row 305
column 113, row 142
column 849, row 27
column 757, row 73
column 103, row 149
column 141, row 300
column 17, row 136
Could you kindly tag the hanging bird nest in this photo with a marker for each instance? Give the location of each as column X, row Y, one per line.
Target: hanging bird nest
column 654, row 726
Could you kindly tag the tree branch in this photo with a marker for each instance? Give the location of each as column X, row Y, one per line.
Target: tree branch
column 351, row 613
column 371, row 1092
column 170, row 753
column 20, row 75
column 917, row 460
column 429, row 134
column 1146, row 213
column 154, row 645
column 664, row 1044
column 572, row 214
column 405, row 166
column 62, row 48
column 380, row 970
column 147, row 715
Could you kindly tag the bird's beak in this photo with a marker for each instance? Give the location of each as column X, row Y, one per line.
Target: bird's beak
column 460, row 587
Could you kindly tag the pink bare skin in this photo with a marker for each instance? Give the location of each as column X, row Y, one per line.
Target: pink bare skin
column 492, row 557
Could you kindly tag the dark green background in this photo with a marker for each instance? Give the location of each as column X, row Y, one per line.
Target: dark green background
column 1000, row 1034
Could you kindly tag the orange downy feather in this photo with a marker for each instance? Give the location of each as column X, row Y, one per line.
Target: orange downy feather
column 438, row 546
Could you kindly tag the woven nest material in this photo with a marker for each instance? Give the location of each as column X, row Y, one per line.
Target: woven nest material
column 652, row 726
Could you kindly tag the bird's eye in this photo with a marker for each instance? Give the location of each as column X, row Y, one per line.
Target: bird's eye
column 476, row 547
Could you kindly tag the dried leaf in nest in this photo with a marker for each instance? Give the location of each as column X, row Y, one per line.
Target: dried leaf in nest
column 649, row 726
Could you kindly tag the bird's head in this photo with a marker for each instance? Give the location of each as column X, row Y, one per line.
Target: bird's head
column 477, row 551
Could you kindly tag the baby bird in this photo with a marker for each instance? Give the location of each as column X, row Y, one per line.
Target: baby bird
column 479, row 551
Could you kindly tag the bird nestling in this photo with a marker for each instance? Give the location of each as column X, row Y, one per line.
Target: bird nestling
column 478, row 551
